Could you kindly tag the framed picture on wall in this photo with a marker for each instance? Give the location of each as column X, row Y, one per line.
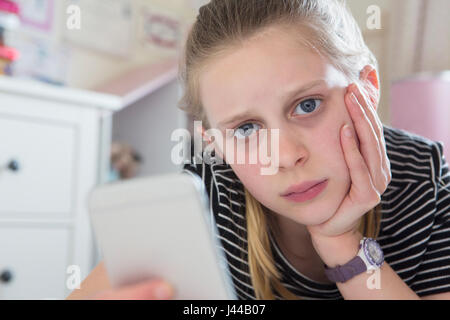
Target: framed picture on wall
column 106, row 26
column 37, row 14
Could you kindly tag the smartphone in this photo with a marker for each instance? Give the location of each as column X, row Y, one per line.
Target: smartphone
column 160, row 226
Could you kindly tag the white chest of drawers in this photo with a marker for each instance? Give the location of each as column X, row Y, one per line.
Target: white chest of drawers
column 54, row 148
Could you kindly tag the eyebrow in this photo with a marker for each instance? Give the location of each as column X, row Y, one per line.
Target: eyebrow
column 288, row 95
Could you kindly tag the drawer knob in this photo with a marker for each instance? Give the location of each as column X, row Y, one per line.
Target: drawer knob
column 6, row 276
column 13, row 165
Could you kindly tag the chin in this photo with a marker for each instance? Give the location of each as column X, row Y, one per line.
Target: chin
column 313, row 217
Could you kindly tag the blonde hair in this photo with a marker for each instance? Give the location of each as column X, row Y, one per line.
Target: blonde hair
column 328, row 28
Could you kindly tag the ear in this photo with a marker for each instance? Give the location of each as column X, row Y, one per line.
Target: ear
column 368, row 73
column 369, row 77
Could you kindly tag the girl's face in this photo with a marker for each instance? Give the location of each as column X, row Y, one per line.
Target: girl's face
column 264, row 79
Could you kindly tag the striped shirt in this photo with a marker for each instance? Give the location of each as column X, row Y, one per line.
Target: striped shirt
column 415, row 222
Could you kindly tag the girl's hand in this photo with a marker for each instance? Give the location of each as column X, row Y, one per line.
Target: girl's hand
column 369, row 169
column 147, row 290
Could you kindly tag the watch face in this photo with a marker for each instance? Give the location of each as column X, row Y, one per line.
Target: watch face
column 373, row 252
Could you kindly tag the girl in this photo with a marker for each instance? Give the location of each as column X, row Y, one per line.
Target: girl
column 301, row 66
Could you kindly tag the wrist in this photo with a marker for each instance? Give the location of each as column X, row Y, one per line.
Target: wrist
column 337, row 250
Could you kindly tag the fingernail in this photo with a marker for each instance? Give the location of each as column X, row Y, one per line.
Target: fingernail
column 347, row 131
column 163, row 291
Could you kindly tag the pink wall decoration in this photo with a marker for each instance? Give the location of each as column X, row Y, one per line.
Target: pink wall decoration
column 421, row 105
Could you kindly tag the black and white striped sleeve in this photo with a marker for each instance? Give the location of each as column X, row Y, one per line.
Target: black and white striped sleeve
column 434, row 274
column 442, row 189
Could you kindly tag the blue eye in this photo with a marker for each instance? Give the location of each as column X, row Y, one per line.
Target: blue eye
column 309, row 105
column 244, row 129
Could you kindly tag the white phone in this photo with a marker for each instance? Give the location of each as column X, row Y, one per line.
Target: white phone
column 160, row 226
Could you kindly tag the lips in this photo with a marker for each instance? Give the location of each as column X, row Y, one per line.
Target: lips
column 302, row 187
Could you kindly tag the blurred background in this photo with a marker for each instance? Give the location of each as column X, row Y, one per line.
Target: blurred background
column 88, row 95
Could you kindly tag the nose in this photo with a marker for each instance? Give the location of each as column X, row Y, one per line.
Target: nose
column 292, row 151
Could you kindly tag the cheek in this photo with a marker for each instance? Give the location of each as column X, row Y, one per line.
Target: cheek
column 329, row 144
column 251, row 178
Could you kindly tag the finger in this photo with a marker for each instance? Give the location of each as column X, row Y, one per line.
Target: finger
column 368, row 109
column 371, row 114
column 359, row 172
column 377, row 125
column 369, row 144
column 147, row 290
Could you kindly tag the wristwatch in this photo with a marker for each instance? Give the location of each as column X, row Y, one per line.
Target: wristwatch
column 370, row 257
